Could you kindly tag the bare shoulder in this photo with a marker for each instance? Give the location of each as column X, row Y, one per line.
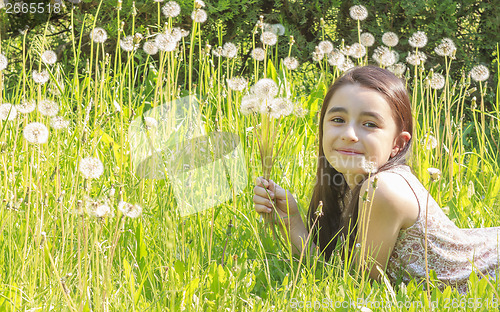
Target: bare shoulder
column 392, row 196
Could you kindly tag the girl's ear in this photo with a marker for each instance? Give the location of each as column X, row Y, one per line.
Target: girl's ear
column 400, row 142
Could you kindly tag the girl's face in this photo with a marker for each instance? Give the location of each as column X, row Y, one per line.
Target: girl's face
column 358, row 127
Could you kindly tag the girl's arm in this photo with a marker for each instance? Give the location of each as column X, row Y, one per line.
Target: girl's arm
column 392, row 206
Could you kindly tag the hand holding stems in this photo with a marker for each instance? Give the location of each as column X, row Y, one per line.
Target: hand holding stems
column 277, row 206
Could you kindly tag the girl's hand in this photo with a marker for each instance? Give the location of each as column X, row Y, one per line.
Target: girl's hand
column 267, row 194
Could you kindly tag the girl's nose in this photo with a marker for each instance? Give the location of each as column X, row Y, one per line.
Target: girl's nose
column 349, row 134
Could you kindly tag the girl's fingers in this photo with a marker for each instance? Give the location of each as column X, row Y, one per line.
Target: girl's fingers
column 262, row 209
column 258, row 200
column 262, row 192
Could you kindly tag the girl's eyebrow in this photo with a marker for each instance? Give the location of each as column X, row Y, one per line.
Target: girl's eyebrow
column 337, row 109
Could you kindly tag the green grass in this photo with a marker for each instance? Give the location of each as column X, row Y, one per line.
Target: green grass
column 222, row 258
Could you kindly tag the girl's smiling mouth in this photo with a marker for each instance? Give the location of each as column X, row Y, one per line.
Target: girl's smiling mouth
column 347, row 151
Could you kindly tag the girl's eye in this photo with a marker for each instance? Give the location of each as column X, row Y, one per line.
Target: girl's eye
column 371, row 124
column 337, row 119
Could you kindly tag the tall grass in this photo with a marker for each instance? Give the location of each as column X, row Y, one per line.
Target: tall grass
column 56, row 257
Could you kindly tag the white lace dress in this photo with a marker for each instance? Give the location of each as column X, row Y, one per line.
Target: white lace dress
column 451, row 250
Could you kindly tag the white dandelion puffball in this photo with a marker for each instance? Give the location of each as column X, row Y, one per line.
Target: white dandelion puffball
column 91, row 168
column 336, row 58
column 165, row 42
column 429, row 141
column 258, row 54
column 40, row 77
column 418, row 39
column 416, row 59
column 357, row 50
column 437, row 81
column 434, row 173
column 171, row 9
column 229, row 50
column 199, row 16
column 291, row 63
column 346, row 65
column 277, row 29
column 358, row 12
column 390, row 39
column 397, row 69
column 98, row 35
column 175, row 32
column 479, row 73
column 101, row 210
column 446, row 48
column 280, row 107
column 237, row 84
column 127, row 44
column 48, row 108
column 59, row 123
column 325, row 46
column 8, row 111
column 3, row 62
column 269, row 38
column 49, row 57
column 150, row 47
column 250, row 104
column 369, row 166
column 265, row 88
column 36, row 133
column 383, row 56
column 367, row 39
column 217, row 51
column 199, row 4
column 129, row 210
column 26, row 107
column 317, row 55
column 150, row 123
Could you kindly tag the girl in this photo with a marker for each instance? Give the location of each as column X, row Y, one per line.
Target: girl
column 366, row 130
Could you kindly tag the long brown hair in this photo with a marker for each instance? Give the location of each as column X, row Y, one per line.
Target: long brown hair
column 340, row 216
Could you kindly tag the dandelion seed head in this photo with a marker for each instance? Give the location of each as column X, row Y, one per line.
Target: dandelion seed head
column 59, row 123
column 117, row 106
column 418, row 39
column 150, row 47
column 176, row 33
column 165, row 42
column 429, row 141
column 199, row 4
column 129, row 210
column 250, row 104
column 383, row 56
column 217, row 51
column 358, row 12
column 26, row 107
column 150, row 123
column 49, row 57
column 171, row 9
column 40, row 77
column 237, row 84
column 3, row 62
column 265, row 88
column 48, row 108
column 98, row 35
column 317, row 55
column 357, row 50
column 199, row 16
column 437, row 81
column 398, row 69
column 36, row 133
column 7, row 111
column 280, row 107
column 229, row 50
column 367, row 39
column 258, row 54
column 416, row 59
column 97, row 208
column 446, row 48
column 336, row 58
column 300, row 111
column 325, row 46
column 269, row 38
column 127, row 44
column 291, row 63
column 346, row 65
column 277, row 29
column 91, row 168
column 479, row 73
column 434, row 173
column 390, row 39
column 369, row 166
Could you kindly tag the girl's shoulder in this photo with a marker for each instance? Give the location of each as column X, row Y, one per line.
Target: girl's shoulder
column 393, row 190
